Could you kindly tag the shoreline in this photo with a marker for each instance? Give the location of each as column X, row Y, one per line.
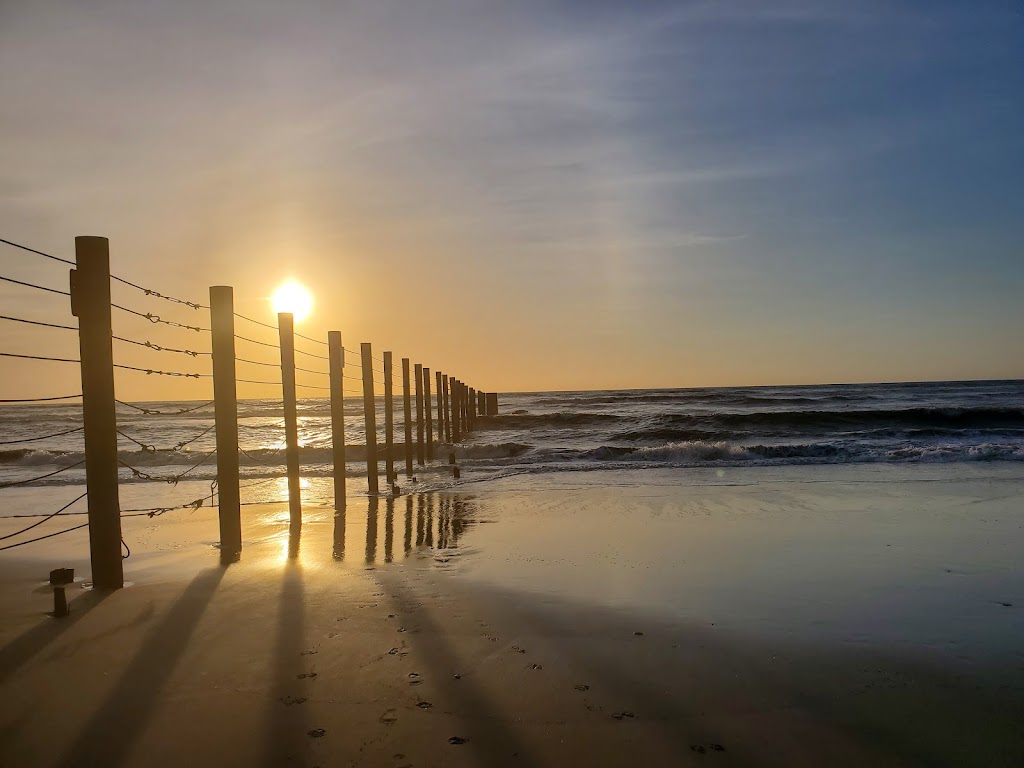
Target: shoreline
column 454, row 616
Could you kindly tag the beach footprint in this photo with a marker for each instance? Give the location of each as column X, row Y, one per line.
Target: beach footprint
column 390, row 717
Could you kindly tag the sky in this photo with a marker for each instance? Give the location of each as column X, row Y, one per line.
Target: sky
column 529, row 195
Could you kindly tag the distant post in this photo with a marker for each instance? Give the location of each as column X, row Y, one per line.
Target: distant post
column 336, row 354
column 429, row 428
column 369, row 417
column 456, row 417
column 481, row 404
column 90, row 303
column 440, row 410
column 472, row 407
column 407, row 407
column 286, row 333
column 389, row 425
column 225, row 414
column 446, row 421
column 418, row 369
column 492, row 403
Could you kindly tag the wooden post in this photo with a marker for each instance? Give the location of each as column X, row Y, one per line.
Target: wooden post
column 407, row 405
column 455, row 418
column 369, row 418
column 418, row 369
column 225, row 414
column 286, row 333
column 446, row 418
column 440, row 408
column 336, row 354
column 472, row 407
column 492, row 404
column 389, row 423
column 429, row 427
column 481, row 404
column 90, row 303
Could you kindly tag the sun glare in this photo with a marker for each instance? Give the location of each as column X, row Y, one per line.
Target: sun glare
column 293, row 297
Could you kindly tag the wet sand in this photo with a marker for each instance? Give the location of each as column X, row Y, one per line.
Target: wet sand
column 516, row 623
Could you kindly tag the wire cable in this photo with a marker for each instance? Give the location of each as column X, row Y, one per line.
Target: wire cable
column 153, row 412
column 33, row 285
column 252, row 381
column 43, row 437
column 42, row 477
column 42, row 399
column 253, row 341
column 36, row 322
column 159, row 348
column 157, row 319
column 157, row 294
column 40, row 538
column 39, row 357
column 151, row 371
column 33, row 250
column 48, row 517
column 257, row 362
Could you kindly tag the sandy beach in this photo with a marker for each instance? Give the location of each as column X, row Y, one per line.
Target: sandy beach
column 753, row 619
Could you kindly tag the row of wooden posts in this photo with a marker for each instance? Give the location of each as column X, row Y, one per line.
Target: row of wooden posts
column 457, row 407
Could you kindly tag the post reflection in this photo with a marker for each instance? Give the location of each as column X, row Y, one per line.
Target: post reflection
column 294, row 535
column 453, row 516
column 371, row 530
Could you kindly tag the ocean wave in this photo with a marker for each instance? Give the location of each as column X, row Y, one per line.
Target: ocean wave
column 524, row 420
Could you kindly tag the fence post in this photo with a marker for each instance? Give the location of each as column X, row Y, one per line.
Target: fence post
column 472, row 407
column 492, row 403
column 286, row 333
column 456, row 417
column 418, row 370
column 445, row 418
column 336, row 354
column 407, row 406
column 225, row 414
column 429, row 427
column 440, row 411
column 90, row 303
column 369, row 417
column 389, row 422
column 481, row 404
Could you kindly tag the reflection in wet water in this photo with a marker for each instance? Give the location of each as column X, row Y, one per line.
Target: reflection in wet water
column 439, row 531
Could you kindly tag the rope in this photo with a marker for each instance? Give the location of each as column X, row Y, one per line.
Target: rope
column 33, row 285
column 36, row 322
column 44, row 437
column 33, row 250
column 48, row 517
column 42, row 477
column 171, row 479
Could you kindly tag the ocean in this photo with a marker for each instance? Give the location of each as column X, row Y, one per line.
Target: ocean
column 168, row 458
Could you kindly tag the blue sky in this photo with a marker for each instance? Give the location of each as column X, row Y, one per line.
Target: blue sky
column 704, row 193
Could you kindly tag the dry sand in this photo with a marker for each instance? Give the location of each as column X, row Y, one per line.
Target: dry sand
column 296, row 657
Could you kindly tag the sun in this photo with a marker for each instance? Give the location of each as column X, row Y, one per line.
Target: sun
column 293, row 297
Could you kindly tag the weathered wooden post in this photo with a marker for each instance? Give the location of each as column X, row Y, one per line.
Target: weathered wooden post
column 369, row 418
column 225, row 415
column 418, row 370
column 492, row 403
column 445, row 421
column 481, row 404
column 456, row 418
column 90, row 303
column 440, row 410
column 407, row 406
column 429, row 426
column 336, row 353
column 472, row 408
column 286, row 334
column 389, row 423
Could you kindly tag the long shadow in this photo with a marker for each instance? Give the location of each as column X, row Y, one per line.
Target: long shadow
column 22, row 648
column 112, row 730
column 490, row 737
column 286, row 722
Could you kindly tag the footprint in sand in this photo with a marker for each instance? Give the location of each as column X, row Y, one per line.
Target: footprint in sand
column 414, row 675
column 582, row 687
column 718, row 748
column 457, row 740
column 698, row 749
column 536, row 666
column 623, row 715
column 304, row 675
column 415, row 682
column 308, row 653
column 517, row 649
column 390, row 717
column 316, row 733
column 424, row 704
column 289, row 700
